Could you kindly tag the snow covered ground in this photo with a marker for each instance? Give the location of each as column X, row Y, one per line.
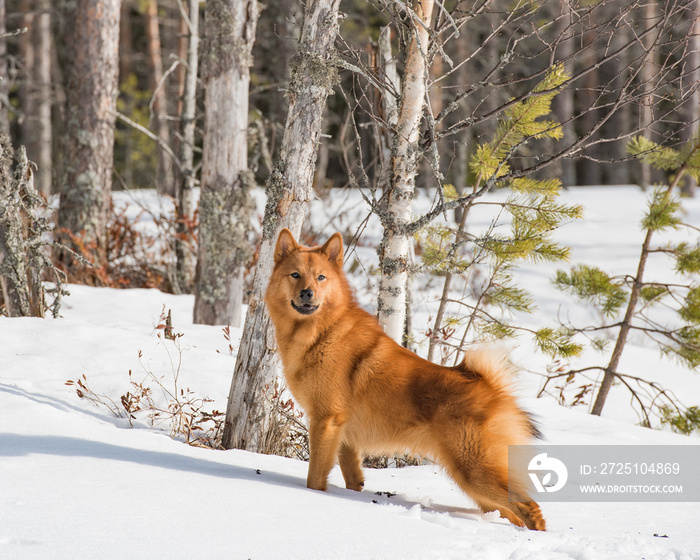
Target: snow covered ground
column 77, row 483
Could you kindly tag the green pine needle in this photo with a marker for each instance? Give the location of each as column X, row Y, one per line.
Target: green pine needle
column 591, row 285
column 663, row 211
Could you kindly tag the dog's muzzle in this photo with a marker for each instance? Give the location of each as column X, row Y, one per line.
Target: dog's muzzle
column 304, row 308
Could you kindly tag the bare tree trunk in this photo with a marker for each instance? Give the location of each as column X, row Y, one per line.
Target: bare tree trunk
column 35, row 92
column 692, row 106
column 42, row 77
column 26, row 92
column 387, row 62
column 180, row 80
column 437, row 325
column 611, row 370
column 225, row 205
column 185, row 202
column 646, row 76
column 92, row 66
column 21, row 289
column 125, row 69
column 395, row 248
column 436, row 96
column 563, row 103
column 4, row 76
column 588, row 170
column 618, row 173
column 13, row 263
column 289, row 191
column 165, row 180
column 460, row 166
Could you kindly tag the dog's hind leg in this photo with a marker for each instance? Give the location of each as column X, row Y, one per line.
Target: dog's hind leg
column 351, row 466
column 491, row 494
column 518, row 513
column 480, row 474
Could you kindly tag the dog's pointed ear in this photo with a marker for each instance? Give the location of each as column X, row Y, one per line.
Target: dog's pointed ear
column 286, row 244
column 333, row 249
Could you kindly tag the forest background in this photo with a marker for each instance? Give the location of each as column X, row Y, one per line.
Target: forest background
column 206, row 101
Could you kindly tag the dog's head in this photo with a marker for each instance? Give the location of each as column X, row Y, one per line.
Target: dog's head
column 306, row 280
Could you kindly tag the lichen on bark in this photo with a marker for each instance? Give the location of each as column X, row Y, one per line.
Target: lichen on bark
column 312, row 69
column 224, row 230
column 229, row 37
column 276, row 189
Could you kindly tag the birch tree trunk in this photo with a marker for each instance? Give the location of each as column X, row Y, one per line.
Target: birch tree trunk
column 395, row 247
column 92, row 67
column 387, row 62
column 184, row 274
column 289, row 192
column 225, row 204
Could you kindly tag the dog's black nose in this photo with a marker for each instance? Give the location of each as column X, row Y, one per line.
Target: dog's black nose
column 306, row 296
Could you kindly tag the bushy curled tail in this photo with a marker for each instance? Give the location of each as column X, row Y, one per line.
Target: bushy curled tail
column 497, row 371
column 478, row 458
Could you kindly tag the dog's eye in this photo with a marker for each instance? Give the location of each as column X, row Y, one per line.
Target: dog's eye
column 295, row 275
column 321, row 277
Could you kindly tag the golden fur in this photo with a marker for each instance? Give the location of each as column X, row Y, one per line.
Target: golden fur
column 363, row 393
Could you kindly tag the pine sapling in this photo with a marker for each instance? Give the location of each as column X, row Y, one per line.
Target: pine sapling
column 534, row 213
column 638, row 296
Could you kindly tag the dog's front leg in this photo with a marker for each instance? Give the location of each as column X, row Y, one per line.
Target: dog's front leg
column 351, row 466
column 324, row 439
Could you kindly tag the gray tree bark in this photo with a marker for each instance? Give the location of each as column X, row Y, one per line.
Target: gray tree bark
column 92, row 67
column 563, row 103
column 4, row 77
column 35, row 90
column 42, row 77
column 225, row 205
column 618, row 173
column 165, row 179
column 13, row 262
column 647, row 75
column 184, row 274
column 126, row 56
column 289, row 192
column 21, row 289
column 692, row 106
column 25, row 91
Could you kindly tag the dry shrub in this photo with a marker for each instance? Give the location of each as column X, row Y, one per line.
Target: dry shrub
column 286, row 433
column 134, row 257
column 178, row 409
